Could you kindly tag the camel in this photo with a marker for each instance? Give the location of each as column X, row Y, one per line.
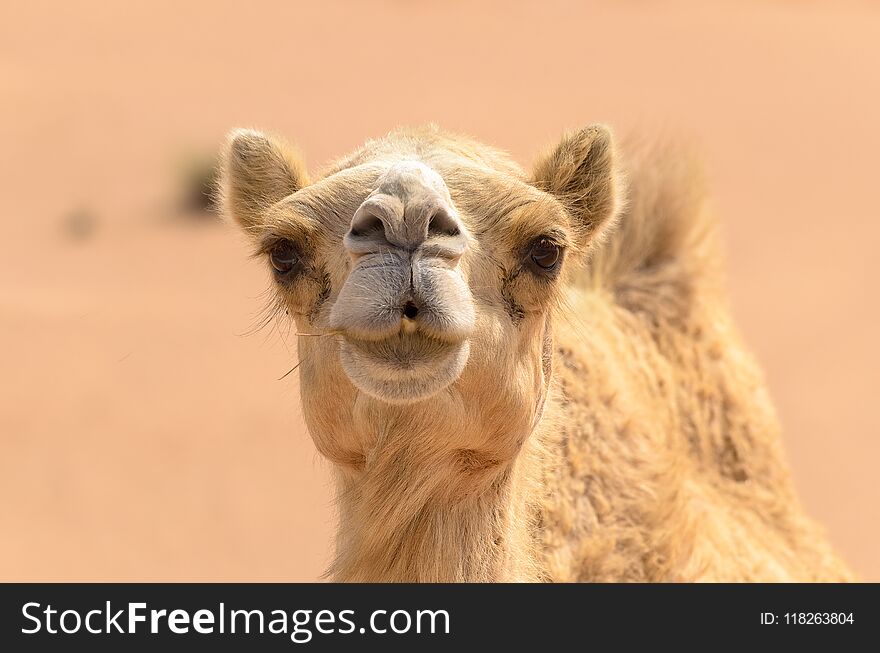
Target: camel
column 523, row 376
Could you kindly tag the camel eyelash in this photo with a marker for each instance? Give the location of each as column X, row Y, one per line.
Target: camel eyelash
column 543, row 256
column 285, row 255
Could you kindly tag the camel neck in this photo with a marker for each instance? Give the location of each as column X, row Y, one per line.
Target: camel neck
column 460, row 519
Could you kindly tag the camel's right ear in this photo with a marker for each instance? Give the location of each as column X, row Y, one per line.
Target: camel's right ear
column 582, row 173
column 256, row 171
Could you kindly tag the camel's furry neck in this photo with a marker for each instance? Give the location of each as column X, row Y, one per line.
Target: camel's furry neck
column 459, row 519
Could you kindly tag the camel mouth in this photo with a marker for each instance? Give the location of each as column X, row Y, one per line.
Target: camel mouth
column 404, row 368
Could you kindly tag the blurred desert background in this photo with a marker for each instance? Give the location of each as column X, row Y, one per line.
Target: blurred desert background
column 145, row 436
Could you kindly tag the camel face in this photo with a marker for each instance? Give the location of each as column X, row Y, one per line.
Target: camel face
column 423, row 268
column 423, row 273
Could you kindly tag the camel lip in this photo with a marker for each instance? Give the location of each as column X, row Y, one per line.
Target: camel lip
column 404, row 352
column 403, row 369
column 430, row 327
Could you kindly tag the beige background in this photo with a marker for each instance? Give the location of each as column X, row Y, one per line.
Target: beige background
column 143, row 437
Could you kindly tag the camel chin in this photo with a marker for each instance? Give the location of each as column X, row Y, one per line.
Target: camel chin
column 403, row 369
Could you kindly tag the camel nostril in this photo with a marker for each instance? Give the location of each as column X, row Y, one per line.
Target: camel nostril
column 367, row 224
column 410, row 311
column 443, row 224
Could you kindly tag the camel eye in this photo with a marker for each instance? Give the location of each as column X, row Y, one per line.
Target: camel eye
column 284, row 257
column 545, row 254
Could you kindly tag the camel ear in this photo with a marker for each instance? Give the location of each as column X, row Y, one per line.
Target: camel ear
column 256, row 172
column 581, row 172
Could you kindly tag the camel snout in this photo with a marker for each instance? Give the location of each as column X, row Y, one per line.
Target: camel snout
column 410, row 210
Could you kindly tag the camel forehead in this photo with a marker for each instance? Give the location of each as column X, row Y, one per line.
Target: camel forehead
column 434, row 147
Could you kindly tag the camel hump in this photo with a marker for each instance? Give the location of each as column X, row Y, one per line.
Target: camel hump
column 665, row 226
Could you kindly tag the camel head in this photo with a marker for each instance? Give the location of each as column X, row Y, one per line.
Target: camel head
column 422, row 272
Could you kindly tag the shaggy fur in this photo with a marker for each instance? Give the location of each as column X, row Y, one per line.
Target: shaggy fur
column 609, row 424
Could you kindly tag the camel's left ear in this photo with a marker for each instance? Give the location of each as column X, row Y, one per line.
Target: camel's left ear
column 257, row 171
column 581, row 172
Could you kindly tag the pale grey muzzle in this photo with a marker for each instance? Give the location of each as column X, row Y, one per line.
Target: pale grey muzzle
column 405, row 241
